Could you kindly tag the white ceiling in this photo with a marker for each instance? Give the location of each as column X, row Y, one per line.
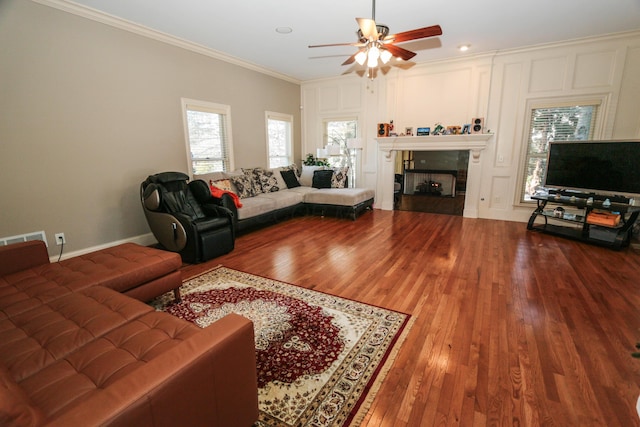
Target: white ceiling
column 246, row 29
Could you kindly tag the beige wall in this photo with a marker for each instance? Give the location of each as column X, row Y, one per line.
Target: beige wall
column 87, row 111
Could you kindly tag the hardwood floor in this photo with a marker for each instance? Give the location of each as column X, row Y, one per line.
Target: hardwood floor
column 510, row 327
column 431, row 204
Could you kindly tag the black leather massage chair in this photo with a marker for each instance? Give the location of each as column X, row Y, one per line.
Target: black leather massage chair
column 184, row 217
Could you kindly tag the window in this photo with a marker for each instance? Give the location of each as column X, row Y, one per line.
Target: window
column 337, row 132
column 208, row 136
column 553, row 123
column 279, row 136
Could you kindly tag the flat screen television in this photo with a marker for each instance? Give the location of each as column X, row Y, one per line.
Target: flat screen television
column 601, row 167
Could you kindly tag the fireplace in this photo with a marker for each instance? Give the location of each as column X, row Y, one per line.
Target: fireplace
column 388, row 148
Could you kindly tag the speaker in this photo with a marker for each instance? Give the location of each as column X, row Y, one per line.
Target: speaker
column 477, row 125
column 383, row 129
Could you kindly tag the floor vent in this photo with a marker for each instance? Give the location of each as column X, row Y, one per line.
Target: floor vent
column 36, row 235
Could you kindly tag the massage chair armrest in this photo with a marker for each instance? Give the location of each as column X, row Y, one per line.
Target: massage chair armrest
column 227, row 202
column 212, row 209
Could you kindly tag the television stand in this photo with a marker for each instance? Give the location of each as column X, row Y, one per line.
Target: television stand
column 587, row 217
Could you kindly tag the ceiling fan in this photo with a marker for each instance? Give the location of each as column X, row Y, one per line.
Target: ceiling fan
column 376, row 44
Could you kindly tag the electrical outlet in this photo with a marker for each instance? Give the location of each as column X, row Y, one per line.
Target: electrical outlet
column 60, row 240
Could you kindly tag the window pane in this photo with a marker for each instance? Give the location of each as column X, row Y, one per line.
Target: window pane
column 337, row 132
column 553, row 124
column 207, row 138
column 279, row 142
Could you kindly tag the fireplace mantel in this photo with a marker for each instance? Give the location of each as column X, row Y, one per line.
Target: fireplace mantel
column 389, row 146
column 475, row 143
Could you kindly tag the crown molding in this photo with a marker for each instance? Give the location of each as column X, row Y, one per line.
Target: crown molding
column 141, row 30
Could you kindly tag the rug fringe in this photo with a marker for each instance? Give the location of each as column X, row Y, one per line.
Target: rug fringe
column 363, row 411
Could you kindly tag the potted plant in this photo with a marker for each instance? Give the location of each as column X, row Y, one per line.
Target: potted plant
column 312, row 161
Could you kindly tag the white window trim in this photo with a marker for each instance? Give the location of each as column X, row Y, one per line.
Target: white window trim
column 282, row 117
column 566, row 101
column 210, row 107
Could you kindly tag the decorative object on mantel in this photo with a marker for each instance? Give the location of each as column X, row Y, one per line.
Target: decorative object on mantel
column 320, row 358
column 438, row 129
column 377, row 46
column 477, row 124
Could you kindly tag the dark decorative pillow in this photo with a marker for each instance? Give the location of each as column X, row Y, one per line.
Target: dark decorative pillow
column 244, row 185
column 339, row 179
column 322, row 179
column 294, row 168
column 290, row 178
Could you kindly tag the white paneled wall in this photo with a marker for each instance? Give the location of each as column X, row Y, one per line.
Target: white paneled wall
column 501, row 87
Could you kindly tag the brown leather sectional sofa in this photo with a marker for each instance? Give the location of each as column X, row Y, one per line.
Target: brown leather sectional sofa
column 76, row 350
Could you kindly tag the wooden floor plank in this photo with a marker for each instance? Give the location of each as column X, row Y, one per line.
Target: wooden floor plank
column 510, row 327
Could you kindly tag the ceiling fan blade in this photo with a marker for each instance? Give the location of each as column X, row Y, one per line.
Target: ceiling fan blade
column 399, row 52
column 419, row 33
column 351, row 59
column 368, row 28
column 337, row 44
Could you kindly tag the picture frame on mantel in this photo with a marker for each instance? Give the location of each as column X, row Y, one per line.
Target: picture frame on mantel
column 408, row 131
column 466, row 129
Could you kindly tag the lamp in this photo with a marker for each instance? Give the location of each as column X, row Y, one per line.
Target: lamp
column 371, row 53
column 385, row 56
column 372, row 57
column 321, row 153
column 333, row 149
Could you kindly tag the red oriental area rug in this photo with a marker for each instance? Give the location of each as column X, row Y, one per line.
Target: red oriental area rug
column 320, row 358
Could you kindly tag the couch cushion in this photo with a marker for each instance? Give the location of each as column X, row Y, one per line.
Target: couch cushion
column 303, row 190
column 20, row 292
column 339, row 196
column 119, row 267
column 213, row 176
column 98, row 364
column 284, row 198
column 37, row 338
column 306, row 177
column 253, row 206
column 16, row 409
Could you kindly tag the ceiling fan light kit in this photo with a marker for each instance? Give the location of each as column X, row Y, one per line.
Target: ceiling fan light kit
column 375, row 44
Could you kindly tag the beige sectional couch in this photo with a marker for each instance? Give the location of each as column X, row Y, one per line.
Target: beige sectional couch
column 270, row 199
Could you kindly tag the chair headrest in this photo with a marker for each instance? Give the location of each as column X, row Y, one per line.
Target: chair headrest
column 165, row 177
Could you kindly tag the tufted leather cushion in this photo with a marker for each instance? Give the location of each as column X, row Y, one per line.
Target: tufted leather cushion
column 120, row 267
column 34, row 339
column 100, row 363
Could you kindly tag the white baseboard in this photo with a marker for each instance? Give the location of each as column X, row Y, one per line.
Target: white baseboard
column 143, row 239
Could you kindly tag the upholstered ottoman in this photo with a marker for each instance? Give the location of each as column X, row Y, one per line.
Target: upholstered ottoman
column 343, row 201
column 138, row 271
